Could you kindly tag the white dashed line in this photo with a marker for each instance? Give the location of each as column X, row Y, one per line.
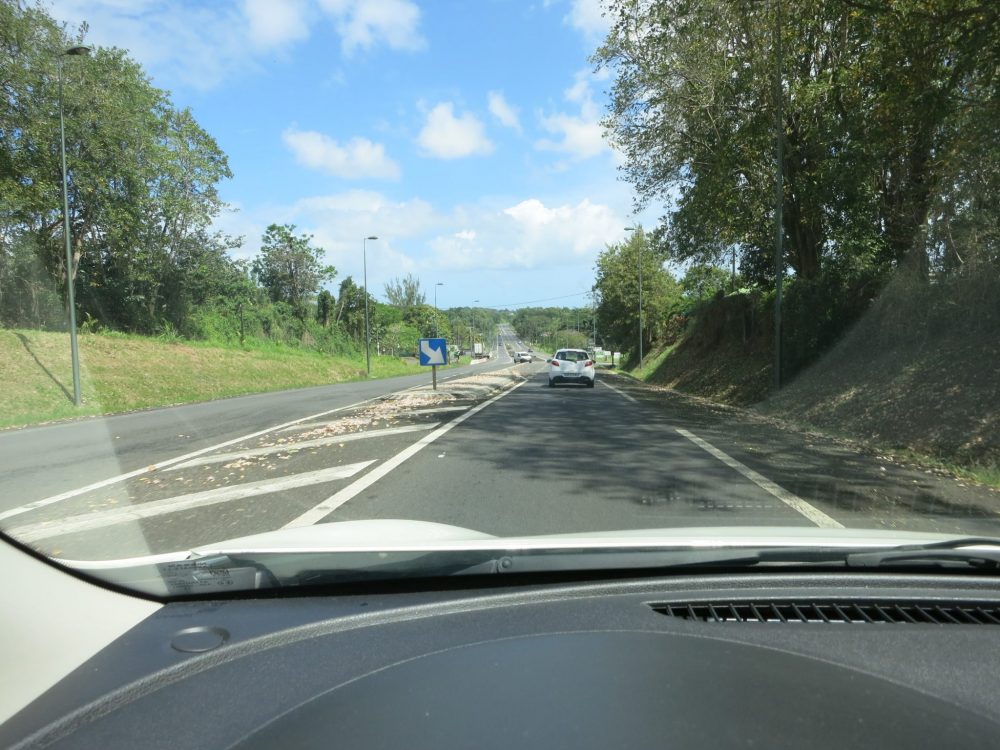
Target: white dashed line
column 794, row 502
column 91, row 521
column 329, row 505
column 620, row 392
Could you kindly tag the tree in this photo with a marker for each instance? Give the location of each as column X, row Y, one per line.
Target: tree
column 142, row 177
column 324, row 307
column 351, row 309
column 702, row 282
column 289, row 267
column 427, row 320
column 405, row 293
column 617, row 289
column 879, row 99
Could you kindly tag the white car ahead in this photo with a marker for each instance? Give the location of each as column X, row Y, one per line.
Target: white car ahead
column 571, row 366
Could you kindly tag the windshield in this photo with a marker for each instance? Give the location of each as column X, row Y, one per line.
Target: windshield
column 405, row 287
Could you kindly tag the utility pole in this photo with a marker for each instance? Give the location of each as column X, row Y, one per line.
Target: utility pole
column 368, row 338
column 74, row 349
column 779, row 193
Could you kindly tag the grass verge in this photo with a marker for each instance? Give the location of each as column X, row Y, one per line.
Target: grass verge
column 122, row 373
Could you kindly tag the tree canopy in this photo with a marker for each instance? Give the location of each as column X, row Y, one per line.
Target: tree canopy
column 882, row 104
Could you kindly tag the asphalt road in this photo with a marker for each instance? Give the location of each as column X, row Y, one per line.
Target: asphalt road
column 494, row 449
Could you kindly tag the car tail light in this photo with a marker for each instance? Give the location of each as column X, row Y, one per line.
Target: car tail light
column 589, row 363
column 554, row 363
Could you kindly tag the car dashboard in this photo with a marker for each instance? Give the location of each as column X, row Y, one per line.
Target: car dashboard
column 724, row 661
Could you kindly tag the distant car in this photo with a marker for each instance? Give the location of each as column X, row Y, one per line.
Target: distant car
column 522, row 357
column 571, row 366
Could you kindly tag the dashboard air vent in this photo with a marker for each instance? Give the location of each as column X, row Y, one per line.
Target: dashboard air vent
column 937, row 613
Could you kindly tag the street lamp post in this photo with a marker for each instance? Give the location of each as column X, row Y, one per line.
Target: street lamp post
column 440, row 283
column 70, row 295
column 368, row 338
column 639, row 256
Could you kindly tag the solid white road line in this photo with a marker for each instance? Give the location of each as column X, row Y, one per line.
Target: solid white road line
column 350, row 437
column 794, row 502
column 91, row 521
column 164, row 464
column 620, row 392
column 329, row 505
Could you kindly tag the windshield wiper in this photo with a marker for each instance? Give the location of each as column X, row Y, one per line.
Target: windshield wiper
column 948, row 553
column 270, row 570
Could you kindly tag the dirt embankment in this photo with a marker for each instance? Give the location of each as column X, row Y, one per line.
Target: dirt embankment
column 919, row 371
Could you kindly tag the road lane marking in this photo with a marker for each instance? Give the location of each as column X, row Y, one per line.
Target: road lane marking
column 620, row 392
column 91, row 521
column 168, row 462
column 333, row 502
column 794, row 502
column 268, row 450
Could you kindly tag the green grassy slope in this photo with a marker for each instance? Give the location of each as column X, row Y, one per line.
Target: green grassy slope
column 121, row 373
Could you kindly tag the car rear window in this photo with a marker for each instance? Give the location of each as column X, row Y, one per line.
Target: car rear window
column 571, row 356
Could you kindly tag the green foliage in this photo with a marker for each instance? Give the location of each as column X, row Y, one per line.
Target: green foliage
column 891, row 161
column 405, row 293
column 324, row 307
column 554, row 327
column 350, row 306
column 702, row 282
column 568, row 339
column 142, row 178
column 466, row 325
column 883, row 103
column 617, row 288
column 290, row 268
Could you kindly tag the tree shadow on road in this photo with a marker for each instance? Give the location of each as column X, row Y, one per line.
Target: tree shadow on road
column 631, row 455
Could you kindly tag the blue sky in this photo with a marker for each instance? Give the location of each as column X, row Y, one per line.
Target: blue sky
column 464, row 133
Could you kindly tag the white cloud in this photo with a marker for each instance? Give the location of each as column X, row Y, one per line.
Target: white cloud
column 528, row 235
column 503, row 111
column 202, row 44
column 340, row 221
column 585, row 16
column 274, row 23
column 199, row 47
column 363, row 23
column 446, row 136
column 579, row 134
column 356, row 159
column 354, row 214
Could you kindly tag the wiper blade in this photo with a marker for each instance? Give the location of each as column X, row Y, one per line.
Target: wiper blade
column 976, row 552
column 215, row 573
column 491, row 562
